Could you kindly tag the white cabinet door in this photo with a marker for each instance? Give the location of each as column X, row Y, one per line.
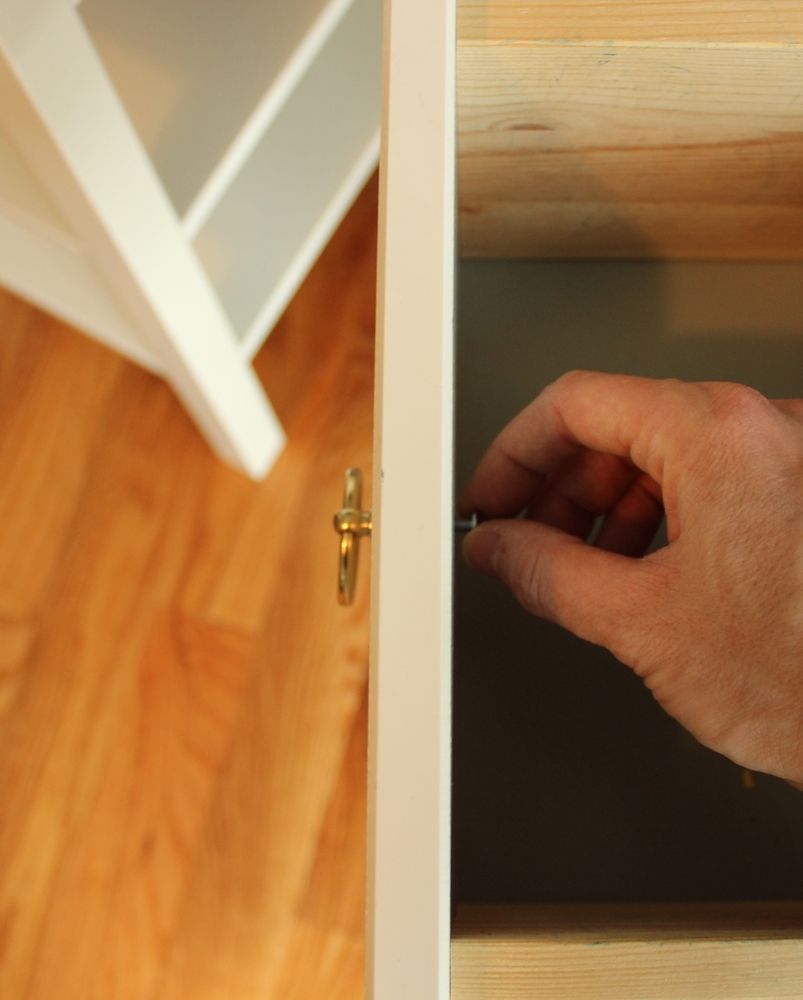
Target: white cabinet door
column 410, row 767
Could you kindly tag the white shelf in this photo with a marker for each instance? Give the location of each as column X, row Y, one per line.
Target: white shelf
column 255, row 335
column 23, row 198
column 180, row 240
column 61, row 280
column 42, row 261
column 191, row 72
column 264, row 233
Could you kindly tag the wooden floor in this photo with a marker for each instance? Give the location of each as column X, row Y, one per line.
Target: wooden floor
column 182, row 701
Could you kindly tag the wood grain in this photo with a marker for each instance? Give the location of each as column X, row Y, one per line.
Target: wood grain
column 700, row 22
column 750, row 951
column 181, row 698
column 54, row 391
column 596, row 147
column 325, row 955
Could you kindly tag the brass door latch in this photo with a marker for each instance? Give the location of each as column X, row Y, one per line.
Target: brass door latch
column 351, row 523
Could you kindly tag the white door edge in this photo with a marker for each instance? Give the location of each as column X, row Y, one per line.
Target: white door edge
column 410, row 705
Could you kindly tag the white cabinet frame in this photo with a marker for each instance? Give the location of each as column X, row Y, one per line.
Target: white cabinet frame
column 410, row 712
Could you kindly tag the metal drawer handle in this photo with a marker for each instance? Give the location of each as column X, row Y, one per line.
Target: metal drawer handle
column 351, row 523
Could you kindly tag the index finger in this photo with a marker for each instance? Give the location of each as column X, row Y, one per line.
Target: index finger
column 634, row 418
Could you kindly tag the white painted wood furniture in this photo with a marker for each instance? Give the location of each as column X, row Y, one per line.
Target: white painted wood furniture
column 537, row 827
column 170, row 170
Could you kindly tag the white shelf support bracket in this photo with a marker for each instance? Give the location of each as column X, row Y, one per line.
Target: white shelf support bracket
column 58, row 104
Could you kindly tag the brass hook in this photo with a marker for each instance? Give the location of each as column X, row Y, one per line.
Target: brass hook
column 351, row 523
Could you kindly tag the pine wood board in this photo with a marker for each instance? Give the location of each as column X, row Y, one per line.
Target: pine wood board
column 701, row 22
column 595, row 147
column 742, row 951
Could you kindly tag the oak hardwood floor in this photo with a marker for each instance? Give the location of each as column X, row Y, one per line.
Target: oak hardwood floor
column 182, row 701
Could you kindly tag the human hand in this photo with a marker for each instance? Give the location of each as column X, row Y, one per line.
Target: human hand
column 712, row 622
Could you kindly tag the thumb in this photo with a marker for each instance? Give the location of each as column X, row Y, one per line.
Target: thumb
column 593, row 593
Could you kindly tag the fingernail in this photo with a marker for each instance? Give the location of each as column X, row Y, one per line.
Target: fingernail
column 479, row 547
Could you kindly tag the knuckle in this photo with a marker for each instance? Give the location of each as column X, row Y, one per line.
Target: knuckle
column 741, row 424
column 738, row 406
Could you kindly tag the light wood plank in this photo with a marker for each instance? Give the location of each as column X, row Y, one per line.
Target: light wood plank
column 326, row 953
column 54, row 389
column 623, row 952
column 59, row 740
column 569, row 149
column 243, row 915
column 702, row 22
column 321, row 964
column 330, row 898
column 174, row 710
column 54, row 393
column 180, row 694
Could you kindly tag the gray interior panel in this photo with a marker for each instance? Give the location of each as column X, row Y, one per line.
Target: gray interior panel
column 570, row 783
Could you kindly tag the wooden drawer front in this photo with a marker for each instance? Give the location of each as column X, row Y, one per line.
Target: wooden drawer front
column 614, row 129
